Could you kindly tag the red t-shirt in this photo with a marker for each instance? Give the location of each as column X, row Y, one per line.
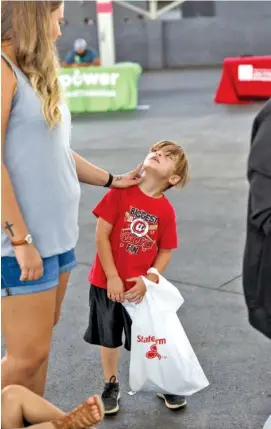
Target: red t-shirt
column 141, row 226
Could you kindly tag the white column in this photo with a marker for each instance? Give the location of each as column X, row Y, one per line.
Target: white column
column 106, row 38
column 153, row 9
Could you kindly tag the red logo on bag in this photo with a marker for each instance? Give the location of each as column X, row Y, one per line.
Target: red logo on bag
column 153, row 353
column 151, row 339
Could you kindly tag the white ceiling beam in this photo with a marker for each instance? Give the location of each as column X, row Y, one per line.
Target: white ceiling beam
column 153, row 12
column 169, row 7
column 133, row 8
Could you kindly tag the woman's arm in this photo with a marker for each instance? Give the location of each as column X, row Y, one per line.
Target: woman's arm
column 12, row 221
column 92, row 175
column 89, row 173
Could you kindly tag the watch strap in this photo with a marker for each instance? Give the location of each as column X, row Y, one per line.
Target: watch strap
column 19, row 243
column 27, row 240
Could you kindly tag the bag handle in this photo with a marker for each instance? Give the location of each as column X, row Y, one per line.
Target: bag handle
column 152, row 270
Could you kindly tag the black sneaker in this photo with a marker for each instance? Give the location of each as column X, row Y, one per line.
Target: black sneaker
column 111, row 396
column 173, row 402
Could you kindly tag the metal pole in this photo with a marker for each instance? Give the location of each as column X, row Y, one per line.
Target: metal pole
column 106, row 38
column 153, row 9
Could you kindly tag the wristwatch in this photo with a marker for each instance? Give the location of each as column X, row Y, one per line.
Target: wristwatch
column 27, row 240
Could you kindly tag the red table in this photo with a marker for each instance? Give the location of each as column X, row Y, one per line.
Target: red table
column 244, row 79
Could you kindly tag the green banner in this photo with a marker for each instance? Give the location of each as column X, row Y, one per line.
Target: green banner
column 101, row 89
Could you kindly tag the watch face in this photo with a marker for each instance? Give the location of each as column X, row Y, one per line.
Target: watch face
column 28, row 239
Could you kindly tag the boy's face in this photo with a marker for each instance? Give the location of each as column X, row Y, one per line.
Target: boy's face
column 163, row 163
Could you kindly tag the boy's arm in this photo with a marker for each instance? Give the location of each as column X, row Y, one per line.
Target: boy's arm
column 161, row 262
column 103, row 231
column 115, row 287
column 137, row 292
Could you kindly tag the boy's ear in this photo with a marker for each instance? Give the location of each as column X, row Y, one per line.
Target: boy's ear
column 173, row 180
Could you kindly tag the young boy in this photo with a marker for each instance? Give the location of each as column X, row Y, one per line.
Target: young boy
column 136, row 230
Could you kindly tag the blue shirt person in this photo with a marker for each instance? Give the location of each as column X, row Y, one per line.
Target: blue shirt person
column 81, row 56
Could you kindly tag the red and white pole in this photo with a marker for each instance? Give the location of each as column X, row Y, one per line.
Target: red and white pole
column 106, row 37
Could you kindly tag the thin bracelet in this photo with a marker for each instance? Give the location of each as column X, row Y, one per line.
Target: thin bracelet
column 109, row 182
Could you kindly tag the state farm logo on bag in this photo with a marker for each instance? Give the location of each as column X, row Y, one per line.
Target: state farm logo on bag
column 153, row 352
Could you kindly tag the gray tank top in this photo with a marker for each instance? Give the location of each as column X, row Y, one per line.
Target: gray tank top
column 42, row 171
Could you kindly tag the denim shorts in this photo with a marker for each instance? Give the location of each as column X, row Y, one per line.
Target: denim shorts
column 52, row 268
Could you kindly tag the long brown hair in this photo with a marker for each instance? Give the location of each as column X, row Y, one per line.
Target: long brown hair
column 27, row 26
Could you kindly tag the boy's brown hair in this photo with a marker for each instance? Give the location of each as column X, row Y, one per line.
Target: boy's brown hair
column 181, row 162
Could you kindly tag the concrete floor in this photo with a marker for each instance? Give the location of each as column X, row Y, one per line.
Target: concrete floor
column 206, row 268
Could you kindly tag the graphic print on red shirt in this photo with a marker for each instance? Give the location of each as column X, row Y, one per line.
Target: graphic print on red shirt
column 139, row 233
column 141, row 226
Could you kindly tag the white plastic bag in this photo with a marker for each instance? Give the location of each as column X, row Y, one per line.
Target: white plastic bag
column 162, row 359
column 268, row 423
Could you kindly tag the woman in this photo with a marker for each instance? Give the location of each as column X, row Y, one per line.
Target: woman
column 40, row 189
column 19, row 403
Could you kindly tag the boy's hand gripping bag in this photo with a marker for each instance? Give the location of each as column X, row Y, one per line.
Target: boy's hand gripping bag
column 162, row 358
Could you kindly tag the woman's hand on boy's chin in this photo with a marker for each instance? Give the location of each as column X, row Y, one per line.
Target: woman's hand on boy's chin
column 137, row 292
column 126, row 180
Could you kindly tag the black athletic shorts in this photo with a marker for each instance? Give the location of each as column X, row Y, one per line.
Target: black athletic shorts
column 108, row 321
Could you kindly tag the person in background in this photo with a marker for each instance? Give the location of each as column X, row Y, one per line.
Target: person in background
column 257, row 254
column 81, row 55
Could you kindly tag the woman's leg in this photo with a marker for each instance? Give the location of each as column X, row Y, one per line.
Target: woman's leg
column 34, row 310
column 60, row 293
column 40, row 378
column 27, row 325
column 19, row 403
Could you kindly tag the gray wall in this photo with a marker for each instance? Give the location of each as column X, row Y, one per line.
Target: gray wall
column 236, row 28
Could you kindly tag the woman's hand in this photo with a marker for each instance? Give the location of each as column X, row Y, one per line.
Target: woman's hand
column 30, row 262
column 126, row 180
